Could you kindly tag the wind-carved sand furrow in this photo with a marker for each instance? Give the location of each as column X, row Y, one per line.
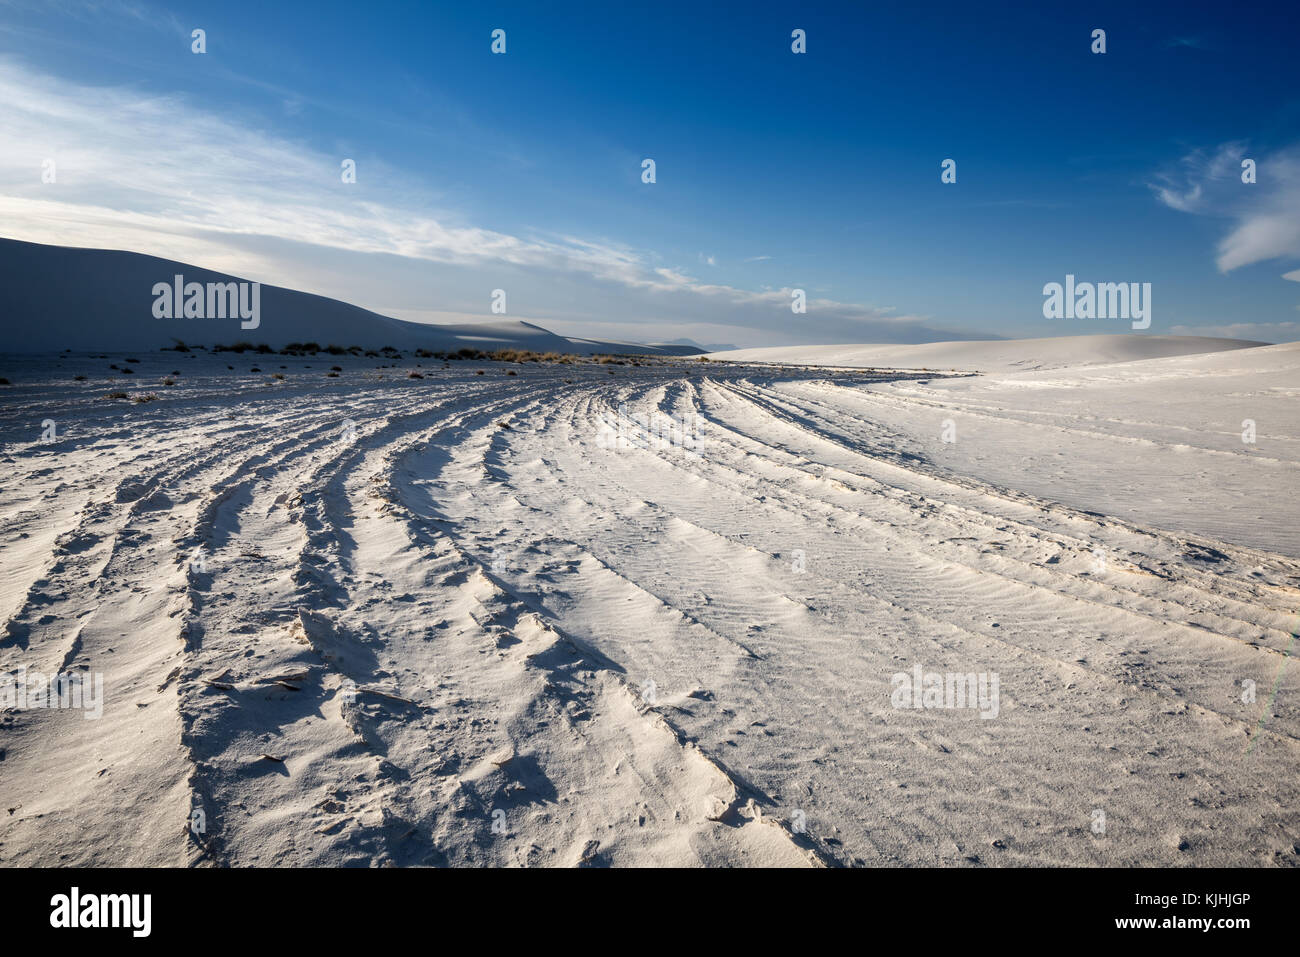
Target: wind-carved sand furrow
column 615, row 783
column 1138, row 561
column 124, row 641
column 227, row 704
column 1034, row 533
column 674, row 485
column 660, row 533
column 918, row 468
column 456, row 614
column 1048, row 569
column 117, row 546
column 562, row 438
column 1191, row 670
column 475, row 455
column 589, row 576
column 948, row 406
column 1170, row 579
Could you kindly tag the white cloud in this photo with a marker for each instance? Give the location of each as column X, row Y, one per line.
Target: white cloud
column 155, row 174
column 1256, row 331
column 1266, row 213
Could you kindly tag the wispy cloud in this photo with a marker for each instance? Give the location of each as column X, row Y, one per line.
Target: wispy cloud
column 1190, row 43
column 1254, row 331
column 1266, row 213
column 155, row 174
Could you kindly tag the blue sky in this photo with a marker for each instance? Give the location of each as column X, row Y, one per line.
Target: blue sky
column 774, row 170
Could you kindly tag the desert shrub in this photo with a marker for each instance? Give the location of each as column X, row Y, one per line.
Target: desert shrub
column 78, row 378
column 337, row 368
column 144, row 397
column 115, row 395
column 277, row 375
column 126, row 371
column 334, row 350
column 414, row 375
column 169, row 381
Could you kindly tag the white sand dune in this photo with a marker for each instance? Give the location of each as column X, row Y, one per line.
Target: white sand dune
column 991, row 355
column 101, row 300
column 485, row 610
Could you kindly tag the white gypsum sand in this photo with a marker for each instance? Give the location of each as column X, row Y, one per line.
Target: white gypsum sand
column 500, row 622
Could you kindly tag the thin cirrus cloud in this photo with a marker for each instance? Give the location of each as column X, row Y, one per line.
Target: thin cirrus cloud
column 152, row 174
column 1265, row 214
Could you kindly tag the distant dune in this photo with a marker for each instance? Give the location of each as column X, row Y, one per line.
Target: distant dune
column 54, row 298
column 999, row 355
